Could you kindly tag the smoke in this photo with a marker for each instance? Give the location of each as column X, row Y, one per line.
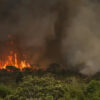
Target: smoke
column 29, row 23
column 36, row 26
column 82, row 44
column 59, row 31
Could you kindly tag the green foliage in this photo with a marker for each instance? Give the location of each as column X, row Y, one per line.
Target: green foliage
column 74, row 90
column 49, row 88
column 93, row 90
column 4, row 91
column 46, row 87
column 93, row 86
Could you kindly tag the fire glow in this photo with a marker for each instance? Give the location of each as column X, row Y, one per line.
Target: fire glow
column 12, row 60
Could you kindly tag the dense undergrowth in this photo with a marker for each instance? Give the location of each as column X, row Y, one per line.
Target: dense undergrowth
column 49, row 87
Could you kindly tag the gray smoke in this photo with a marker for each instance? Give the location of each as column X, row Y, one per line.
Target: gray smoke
column 82, row 44
column 60, row 31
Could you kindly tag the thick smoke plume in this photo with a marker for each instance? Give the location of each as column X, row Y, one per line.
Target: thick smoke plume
column 82, row 43
column 53, row 31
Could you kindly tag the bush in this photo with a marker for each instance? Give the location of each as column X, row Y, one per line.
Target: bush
column 48, row 88
column 45, row 88
column 93, row 90
column 4, row 91
column 74, row 90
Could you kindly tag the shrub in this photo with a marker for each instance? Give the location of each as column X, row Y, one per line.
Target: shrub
column 45, row 88
column 93, row 90
column 74, row 90
column 48, row 88
column 4, row 91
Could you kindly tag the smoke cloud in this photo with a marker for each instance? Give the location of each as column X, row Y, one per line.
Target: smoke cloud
column 53, row 31
column 82, row 44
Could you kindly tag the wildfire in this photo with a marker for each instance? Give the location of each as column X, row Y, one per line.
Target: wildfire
column 13, row 60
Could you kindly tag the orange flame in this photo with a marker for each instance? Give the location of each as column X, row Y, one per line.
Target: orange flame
column 12, row 60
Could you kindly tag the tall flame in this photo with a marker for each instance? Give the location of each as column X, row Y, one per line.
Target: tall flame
column 12, row 60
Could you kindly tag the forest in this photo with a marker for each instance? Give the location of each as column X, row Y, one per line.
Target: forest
column 51, row 84
column 49, row 49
